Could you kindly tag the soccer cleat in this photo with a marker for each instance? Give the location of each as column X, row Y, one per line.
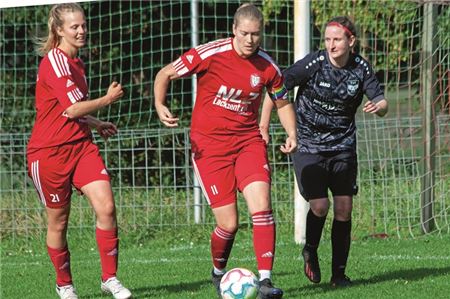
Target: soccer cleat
column 216, row 281
column 311, row 265
column 67, row 292
column 115, row 288
column 340, row 281
column 268, row 291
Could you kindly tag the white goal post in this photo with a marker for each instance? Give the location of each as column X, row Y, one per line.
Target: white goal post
column 301, row 48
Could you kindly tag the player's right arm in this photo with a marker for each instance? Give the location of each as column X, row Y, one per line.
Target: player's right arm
column 162, row 80
column 105, row 129
column 301, row 71
column 84, row 108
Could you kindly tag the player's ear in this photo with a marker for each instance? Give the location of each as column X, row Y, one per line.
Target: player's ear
column 352, row 41
column 59, row 31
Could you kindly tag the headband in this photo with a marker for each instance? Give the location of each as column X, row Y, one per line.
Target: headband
column 341, row 26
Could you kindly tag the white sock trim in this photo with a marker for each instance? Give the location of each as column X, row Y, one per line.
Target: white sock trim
column 219, row 271
column 263, row 274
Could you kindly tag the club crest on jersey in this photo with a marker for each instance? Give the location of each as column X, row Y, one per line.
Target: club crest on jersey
column 352, row 87
column 254, row 80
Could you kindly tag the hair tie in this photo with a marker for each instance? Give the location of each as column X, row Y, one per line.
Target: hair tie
column 341, row 26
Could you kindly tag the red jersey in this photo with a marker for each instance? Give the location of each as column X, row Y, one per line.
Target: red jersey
column 229, row 87
column 61, row 82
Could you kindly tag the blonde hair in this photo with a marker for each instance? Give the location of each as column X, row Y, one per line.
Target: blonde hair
column 248, row 11
column 55, row 20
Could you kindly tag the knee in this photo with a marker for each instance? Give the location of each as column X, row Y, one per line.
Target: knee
column 108, row 208
column 343, row 213
column 58, row 225
column 230, row 227
column 107, row 214
column 320, row 210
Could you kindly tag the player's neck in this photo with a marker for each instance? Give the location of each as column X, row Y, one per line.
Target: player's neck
column 72, row 52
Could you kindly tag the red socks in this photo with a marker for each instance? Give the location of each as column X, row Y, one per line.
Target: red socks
column 108, row 247
column 264, row 239
column 263, row 242
column 61, row 261
column 221, row 244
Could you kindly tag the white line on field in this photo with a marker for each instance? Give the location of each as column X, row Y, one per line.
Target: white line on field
column 409, row 257
column 139, row 261
column 164, row 260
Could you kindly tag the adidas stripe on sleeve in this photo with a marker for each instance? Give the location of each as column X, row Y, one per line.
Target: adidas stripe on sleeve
column 65, row 78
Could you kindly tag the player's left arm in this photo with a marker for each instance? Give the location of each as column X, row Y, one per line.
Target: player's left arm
column 104, row 128
column 379, row 108
column 377, row 103
column 286, row 114
column 264, row 121
column 279, row 96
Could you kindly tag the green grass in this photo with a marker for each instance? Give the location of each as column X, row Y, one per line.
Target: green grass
column 179, row 267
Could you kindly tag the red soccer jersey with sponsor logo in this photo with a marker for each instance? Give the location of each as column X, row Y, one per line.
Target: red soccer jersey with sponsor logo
column 229, row 88
column 61, row 82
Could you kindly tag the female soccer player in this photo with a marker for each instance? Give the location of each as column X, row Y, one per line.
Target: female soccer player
column 331, row 84
column 61, row 153
column 228, row 152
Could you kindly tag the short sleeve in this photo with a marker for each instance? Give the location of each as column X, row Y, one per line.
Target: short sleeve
column 300, row 72
column 275, row 82
column 189, row 63
column 59, row 79
column 371, row 85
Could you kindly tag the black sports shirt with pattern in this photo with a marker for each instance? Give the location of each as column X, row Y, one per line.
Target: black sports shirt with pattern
column 327, row 100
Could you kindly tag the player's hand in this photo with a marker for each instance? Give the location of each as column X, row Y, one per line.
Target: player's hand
column 115, row 92
column 370, row 107
column 265, row 134
column 106, row 129
column 166, row 117
column 290, row 145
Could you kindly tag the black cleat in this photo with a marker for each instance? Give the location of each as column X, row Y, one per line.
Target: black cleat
column 268, row 291
column 216, row 281
column 340, row 281
column 311, row 265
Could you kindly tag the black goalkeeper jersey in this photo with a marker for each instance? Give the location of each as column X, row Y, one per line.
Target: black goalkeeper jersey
column 327, row 100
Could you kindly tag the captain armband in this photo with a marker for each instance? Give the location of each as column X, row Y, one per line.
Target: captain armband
column 280, row 93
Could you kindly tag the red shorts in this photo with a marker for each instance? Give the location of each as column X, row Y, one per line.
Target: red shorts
column 55, row 169
column 228, row 164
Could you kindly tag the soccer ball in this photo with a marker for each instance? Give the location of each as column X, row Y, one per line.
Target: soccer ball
column 239, row 283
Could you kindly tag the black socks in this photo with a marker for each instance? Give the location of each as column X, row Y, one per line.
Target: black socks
column 314, row 227
column 340, row 242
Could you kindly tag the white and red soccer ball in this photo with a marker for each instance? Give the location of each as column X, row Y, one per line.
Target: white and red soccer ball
column 239, row 283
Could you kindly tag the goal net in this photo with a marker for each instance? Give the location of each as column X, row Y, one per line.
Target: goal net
column 404, row 158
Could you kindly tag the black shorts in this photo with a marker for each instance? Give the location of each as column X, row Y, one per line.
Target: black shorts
column 316, row 173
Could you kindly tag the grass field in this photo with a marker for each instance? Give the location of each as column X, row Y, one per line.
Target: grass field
column 180, row 267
